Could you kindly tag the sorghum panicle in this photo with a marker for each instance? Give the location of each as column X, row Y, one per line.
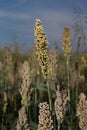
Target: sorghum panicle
column 66, row 41
column 60, row 104
column 25, row 89
column 41, row 44
column 45, row 121
column 22, row 123
column 82, row 111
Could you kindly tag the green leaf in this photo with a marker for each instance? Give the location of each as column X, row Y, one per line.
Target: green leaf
column 33, row 125
column 42, row 87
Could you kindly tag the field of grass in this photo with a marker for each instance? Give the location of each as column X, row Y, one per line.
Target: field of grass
column 44, row 89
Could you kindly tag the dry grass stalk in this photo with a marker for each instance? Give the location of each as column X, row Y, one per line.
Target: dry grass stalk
column 25, row 89
column 22, row 123
column 60, row 104
column 82, row 112
column 45, row 121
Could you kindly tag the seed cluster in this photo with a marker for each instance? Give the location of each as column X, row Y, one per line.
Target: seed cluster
column 60, row 104
column 82, row 112
column 25, row 89
column 41, row 44
column 66, row 41
column 22, row 123
column 45, row 121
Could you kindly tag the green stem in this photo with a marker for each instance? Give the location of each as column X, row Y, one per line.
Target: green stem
column 29, row 114
column 49, row 96
column 77, row 89
column 35, row 95
column 26, row 107
column 68, row 80
column 58, row 124
column 15, row 103
column 2, row 122
column 77, row 83
column 68, row 85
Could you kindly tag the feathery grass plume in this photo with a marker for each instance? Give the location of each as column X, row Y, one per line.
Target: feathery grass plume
column 5, row 102
column 22, row 123
column 60, row 104
column 41, row 44
column 82, row 111
column 67, row 50
column 45, row 121
column 25, row 89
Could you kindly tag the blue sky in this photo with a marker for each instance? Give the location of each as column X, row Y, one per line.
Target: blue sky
column 19, row 16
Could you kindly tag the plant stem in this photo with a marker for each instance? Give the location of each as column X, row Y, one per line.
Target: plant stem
column 68, row 85
column 49, row 96
column 68, row 82
column 58, row 124
column 77, row 83
column 2, row 122
column 35, row 95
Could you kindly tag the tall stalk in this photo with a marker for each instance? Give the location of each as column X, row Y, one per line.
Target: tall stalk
column 58, row 124
column 67, row 50
column 35, row 95
column 68, row 79
column 2, row 123
column 49, row 96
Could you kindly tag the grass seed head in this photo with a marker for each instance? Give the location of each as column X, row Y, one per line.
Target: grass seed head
column 60, row 104
column 45, row 121
column 41, row 44
column 66, row 41
column 25, row 89
column 82, row 111
column 22, row 123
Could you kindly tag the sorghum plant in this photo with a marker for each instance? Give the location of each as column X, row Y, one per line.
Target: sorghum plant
column 41, row 44
column 67, row 50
